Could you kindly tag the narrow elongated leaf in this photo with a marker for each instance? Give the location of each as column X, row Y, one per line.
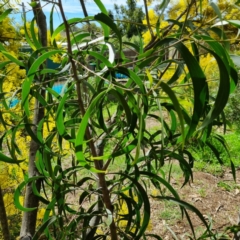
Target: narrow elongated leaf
column 45, row 225
column 235, row 23
column 101, row 6
column 186, row 206
column 4, row 158
column 100, row 57
column 61, row 27
column 215, row 151
column 176, row 74
column 223, row 92
column 37, row 63
column 81, row 133
column 103, row 18
column 176, row 105
column 166, row 184
column 78, row 37
column 222, row 35
column 52, row 25
column 18, row 193
column 216, row 9
column 137, row 80
column 36, row 43
column 233, row 170
column 133, row 45
column 31, row 73
column 3, row 64
column 27, row 37
column 2, row 48
column 198, row 78
column 59, row 114
column 12, row 58
column 142, row 196
column 4, row 14
column 139, row 137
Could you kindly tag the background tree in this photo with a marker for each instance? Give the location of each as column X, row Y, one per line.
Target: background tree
column 31, row 201
column 11, row 79
column 129, row 18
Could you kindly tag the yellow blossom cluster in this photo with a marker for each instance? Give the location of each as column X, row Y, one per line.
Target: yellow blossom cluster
column 11, row 175
column 153, row 18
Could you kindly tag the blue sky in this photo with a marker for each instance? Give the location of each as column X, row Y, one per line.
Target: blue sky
column 72, row 9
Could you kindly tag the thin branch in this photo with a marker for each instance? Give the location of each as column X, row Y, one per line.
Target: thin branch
column 102, row 182
column 148, row 20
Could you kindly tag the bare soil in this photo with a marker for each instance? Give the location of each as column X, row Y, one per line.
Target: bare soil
column 217, row 198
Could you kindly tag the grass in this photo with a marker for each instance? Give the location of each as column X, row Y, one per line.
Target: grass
column 233, row 141
column 170, row 212
column 207, row 161
column 202, row 192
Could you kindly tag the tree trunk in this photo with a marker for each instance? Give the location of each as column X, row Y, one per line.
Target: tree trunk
column 3, row 218
column 29, row 218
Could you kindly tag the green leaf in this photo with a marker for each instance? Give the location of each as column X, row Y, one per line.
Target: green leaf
column 3, row 64
column 36, row 43
column 133, row 45
column 27, row 37
column 176, row 105
column 223, row 92
column 12, row 58
column 45, row 225
column 101, row 6
column 2, row 47
column 221, row 34
column 59, row 114
column 18, row 193
column 31, row 73
column 216, row 9
column 215, row 151
column 142, row 196
column 200, row 86
column 51, row 20
column 139, row 136
column 186, row 206
column 107, row 21
column 4, row 14
column 100, row 57
column 233, row 170
column 124, row 104
column 137, row 80
column 4, row 158
column 82, row 130
column 176, row 74
column 155, row 177
column 29, row 130
column 78, row 37
column 61, row 27
column 235, row 23
column 37, row 63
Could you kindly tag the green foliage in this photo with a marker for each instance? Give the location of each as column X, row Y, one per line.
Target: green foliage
column 83, row 195
column 232, row 110
column 129, row 18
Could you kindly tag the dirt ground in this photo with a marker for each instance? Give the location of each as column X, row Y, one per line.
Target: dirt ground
column 217, row 198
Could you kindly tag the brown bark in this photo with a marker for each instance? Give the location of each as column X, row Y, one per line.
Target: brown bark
column 3, row 218
column 29, row 218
